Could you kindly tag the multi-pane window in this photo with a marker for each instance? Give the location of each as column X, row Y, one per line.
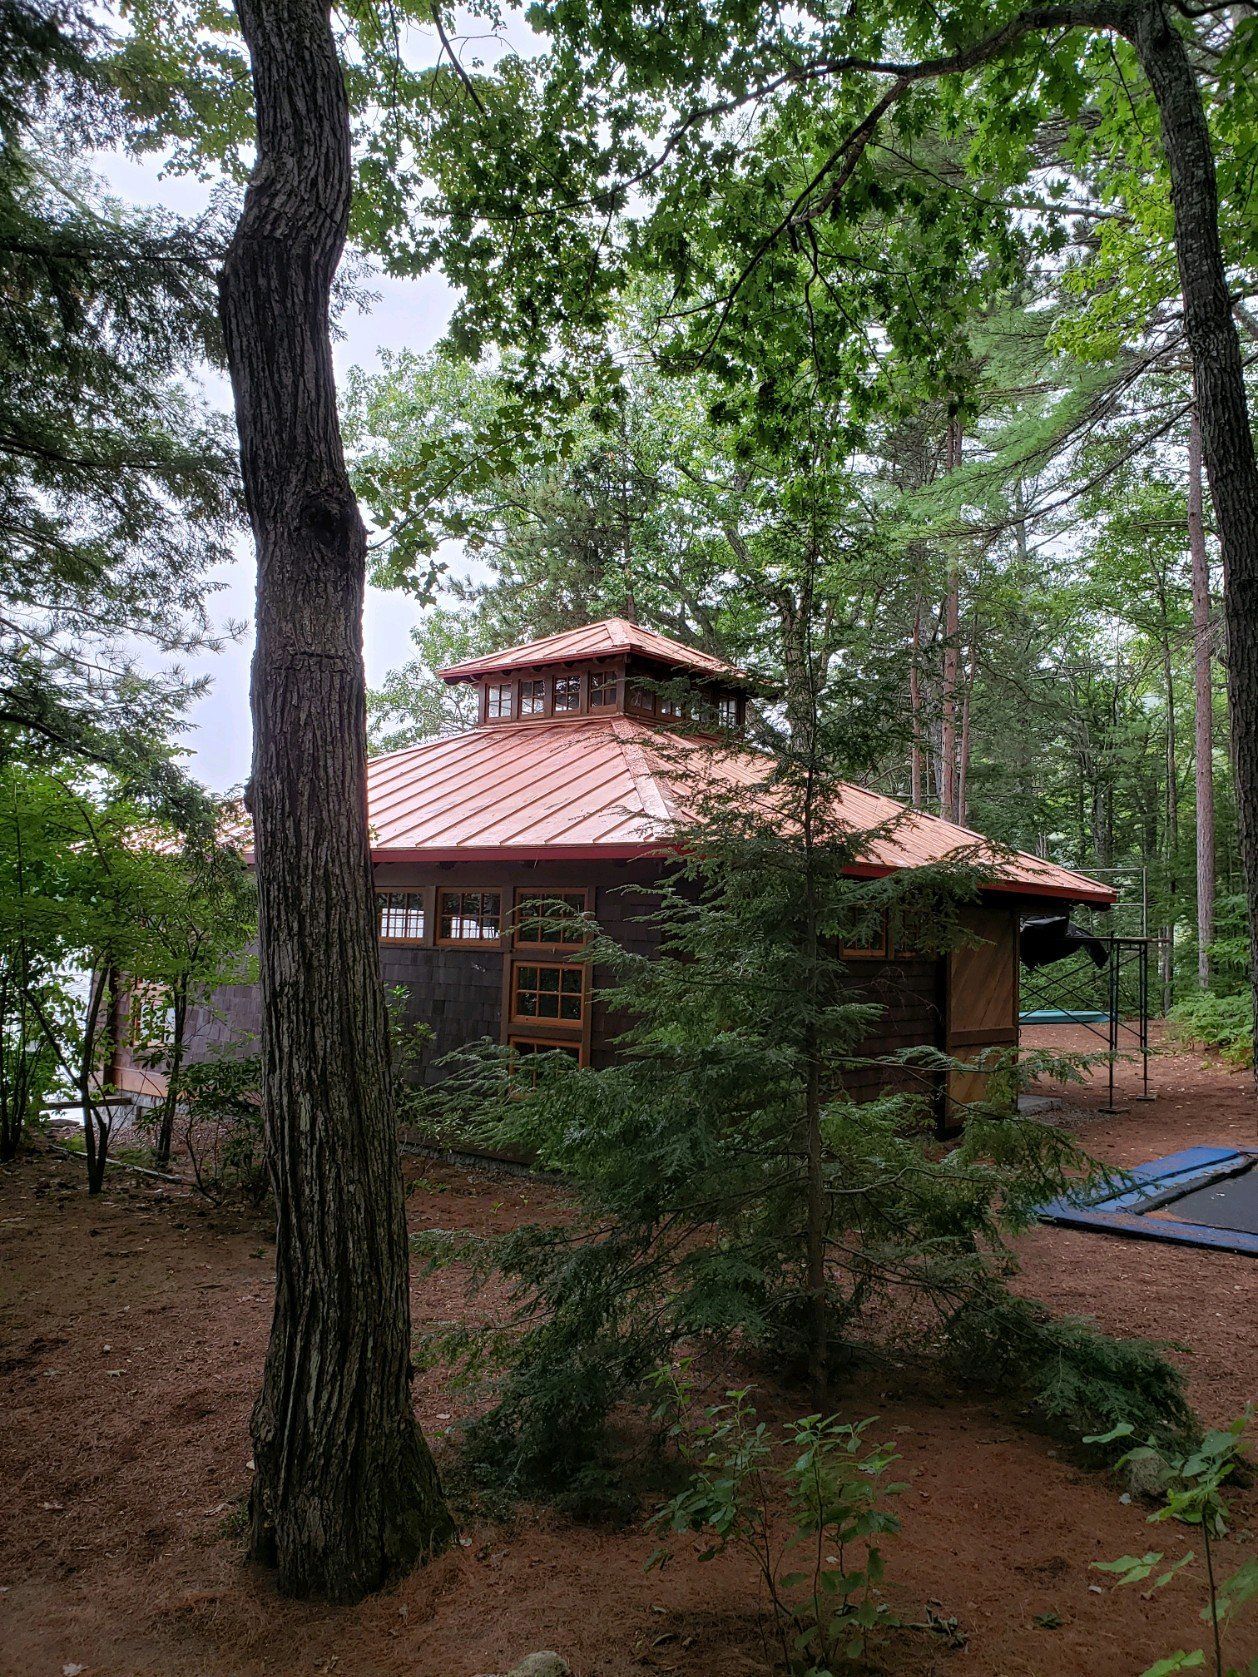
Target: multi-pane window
column 469, row 916
column 868, row 942
column 532, row 698
column 642, row 698
column 548, row 991
column 906, row 934
column 498, row 701
column 566, row 693
column 400, row 916
column 525, row 1049
column 604, row 689
column 550, row 917
column 671, row 707
column 152, row 1017
column 727, row 710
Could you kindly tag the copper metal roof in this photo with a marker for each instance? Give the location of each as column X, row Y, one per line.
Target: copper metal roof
column 594, row 640
column 614, row 788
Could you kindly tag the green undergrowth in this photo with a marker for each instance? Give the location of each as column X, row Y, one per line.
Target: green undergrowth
column 1222, row 1022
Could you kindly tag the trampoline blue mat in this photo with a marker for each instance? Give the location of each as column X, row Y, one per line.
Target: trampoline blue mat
column 1204, row 1196
column 1063, row 1016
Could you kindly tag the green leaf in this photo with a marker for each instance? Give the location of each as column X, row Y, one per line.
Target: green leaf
column 1179, row 1661
column 1124, row 1429
column 1164, row 1578
column 1130, row 1569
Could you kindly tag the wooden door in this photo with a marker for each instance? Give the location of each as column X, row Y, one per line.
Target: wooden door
column 981, row 1002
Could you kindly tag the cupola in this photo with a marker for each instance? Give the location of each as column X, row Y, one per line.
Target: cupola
column 605, row 669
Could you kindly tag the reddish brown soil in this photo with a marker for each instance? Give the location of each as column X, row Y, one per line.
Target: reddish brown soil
column 132, row 1330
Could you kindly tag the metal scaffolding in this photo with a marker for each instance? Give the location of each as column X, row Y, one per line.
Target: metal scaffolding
column 1068, row 991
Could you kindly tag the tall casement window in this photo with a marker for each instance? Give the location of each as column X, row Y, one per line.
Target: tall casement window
column 870, row 944
column 150, row 1018
column 532, row 698
column 498, row 698
column 400, row 916
column 727, row 711
column 549, row 918
column 545, row 992
column 469, row 916
column 604, row 689
column 565, row 694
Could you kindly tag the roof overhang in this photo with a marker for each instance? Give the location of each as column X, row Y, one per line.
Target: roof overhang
column 661, row 851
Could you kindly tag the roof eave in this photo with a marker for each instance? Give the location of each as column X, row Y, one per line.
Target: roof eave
column 662, row 849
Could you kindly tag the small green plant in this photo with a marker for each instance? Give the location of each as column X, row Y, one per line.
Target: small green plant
column 822, row 1578
column 1191, row 1487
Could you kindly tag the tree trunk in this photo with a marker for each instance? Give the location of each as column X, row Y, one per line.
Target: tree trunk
column 1226, row 437
column 174, row 1076
column 95, row 1128
column 964, row 751
column 1172, row 816
column 345, row 1491
column 1203, row 704
column 916, row 750
column 817, row 1220
column 951, row 652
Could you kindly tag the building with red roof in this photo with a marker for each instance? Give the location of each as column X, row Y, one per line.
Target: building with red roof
column 591, row 756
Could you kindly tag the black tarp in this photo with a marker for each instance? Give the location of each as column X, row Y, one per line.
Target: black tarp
column 1052, row 937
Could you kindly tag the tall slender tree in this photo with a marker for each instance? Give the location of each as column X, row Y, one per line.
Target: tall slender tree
column 345, row 1490
column 1203, row 703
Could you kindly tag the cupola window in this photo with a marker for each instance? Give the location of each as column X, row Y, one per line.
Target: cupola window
column 566, row 693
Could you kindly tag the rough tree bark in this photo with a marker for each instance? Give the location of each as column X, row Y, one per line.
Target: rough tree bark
column 1203, row 704
column 345, row 1491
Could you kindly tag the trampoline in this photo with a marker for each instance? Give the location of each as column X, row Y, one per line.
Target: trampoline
column 1204, row 1196
column 1064, row 1016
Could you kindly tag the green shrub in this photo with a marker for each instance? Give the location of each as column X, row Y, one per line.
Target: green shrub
column 1073, row 1377
column 1215, row 1021
column 222, row 1110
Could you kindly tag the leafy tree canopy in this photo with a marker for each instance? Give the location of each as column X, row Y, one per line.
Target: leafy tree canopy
column 117, row 484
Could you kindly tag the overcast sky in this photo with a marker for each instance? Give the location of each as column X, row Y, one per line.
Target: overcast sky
column 408, row 314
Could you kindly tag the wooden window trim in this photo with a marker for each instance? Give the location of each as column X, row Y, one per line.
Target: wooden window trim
column 612, row 678
column 851, row 952
column 568, row 710
column 424, row 894
column 524, row 681
column 636, row 691
column 149, row 998
column 491, row 686
column 532, row 1021
column 543, row 892
column 518, row 1068
column 531, row 1039
column 495, row 942
column 732, row 703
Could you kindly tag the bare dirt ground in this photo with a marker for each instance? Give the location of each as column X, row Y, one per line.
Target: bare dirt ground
column 132, row 1330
